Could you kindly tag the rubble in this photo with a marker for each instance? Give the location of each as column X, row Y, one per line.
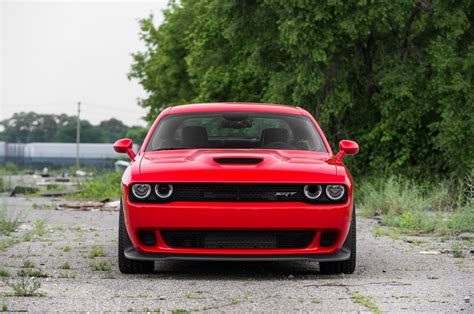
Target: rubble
column 105, row 205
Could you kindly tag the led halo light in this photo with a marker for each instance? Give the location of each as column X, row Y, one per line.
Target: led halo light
column 335, row 192
column 168, row 190
column 141, row 190
column 312, row 191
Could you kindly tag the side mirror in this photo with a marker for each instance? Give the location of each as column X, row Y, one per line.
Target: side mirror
column 123, row 146
column 347, row 147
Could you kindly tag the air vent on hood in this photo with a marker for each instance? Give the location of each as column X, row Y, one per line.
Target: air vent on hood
column 238, row 161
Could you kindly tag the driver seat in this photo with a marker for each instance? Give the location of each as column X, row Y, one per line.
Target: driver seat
column 273, row 135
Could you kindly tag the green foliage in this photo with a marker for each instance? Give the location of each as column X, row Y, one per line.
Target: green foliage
column 396, row 76
column 27, row 127
column 97, row 252
column 25, row 287
column 4, row 273
column 100, row 187
column 8, row 223
column 101, row 266
column 419, row 208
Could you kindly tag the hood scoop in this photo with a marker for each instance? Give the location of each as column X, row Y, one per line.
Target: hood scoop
column 238, row 161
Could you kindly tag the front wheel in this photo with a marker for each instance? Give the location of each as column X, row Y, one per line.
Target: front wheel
column 346, row 267
column 129, row 266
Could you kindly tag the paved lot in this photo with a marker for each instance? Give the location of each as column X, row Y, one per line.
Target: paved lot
column 391, row 275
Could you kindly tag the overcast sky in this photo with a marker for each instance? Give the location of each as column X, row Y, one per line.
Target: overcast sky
column 54, row 54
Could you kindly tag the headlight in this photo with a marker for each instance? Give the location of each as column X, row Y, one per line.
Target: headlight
column 312, row 191
column 163, row 191
column 335, row 192
column 141, row 190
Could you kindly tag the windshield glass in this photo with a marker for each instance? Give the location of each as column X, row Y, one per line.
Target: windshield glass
column 247, row 130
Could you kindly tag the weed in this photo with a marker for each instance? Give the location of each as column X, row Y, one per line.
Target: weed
column 65, row 266
column 194, row 295
column 100, row 187
column 66, row 249
column 25, row 287
column 65, row 275
column 8, row 223
column 4, row 273
column 96, row 252
column 315, row 301
column 419, row 208
column 179, row 311
column 458, row 249
column 365, row 301
column 28, row 272
column 27, row 264
column 4, row 307
column 39, row 227
column 101, row 266
column 234, row 301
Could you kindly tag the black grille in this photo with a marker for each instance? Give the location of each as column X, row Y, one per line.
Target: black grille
column 237, row 192
column 148, row 238
column 238, row 239
column 328, row 238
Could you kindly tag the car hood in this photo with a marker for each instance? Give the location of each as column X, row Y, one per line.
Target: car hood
column 225, row 166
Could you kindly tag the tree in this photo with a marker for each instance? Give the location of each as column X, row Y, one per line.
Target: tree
column 396, row 76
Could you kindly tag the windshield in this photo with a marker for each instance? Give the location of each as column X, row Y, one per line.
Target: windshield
column 247, row 130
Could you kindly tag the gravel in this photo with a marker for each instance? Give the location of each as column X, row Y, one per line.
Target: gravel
column 391, row 276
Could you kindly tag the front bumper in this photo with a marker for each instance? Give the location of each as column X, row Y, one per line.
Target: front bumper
column 236, row 216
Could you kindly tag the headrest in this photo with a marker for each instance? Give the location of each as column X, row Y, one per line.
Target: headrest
column 273, row 135
column 194, row 137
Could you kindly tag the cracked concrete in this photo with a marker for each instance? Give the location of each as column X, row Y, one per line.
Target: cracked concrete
column 391, row 274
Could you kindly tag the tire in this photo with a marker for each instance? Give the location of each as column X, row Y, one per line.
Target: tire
column 129, row 266
column 346, row 267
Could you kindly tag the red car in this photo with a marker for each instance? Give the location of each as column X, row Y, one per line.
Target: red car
column 236, row 182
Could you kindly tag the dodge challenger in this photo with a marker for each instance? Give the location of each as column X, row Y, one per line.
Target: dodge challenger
column 236, row 182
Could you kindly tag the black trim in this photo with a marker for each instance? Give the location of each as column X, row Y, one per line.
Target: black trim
column 237, row 192
column 343, row 254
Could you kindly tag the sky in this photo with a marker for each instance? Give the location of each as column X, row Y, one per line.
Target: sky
column 54, row 54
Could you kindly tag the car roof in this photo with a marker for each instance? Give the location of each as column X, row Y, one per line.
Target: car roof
column 237, row 106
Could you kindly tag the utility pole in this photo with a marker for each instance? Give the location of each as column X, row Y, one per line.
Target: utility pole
column 78, row 133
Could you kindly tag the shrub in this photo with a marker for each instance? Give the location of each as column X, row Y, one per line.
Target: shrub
column 102, row 186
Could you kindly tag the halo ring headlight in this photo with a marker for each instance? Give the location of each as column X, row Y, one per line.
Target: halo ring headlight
column 141, row 190
column 163, row 191
column 335, row 192
column 312, row 191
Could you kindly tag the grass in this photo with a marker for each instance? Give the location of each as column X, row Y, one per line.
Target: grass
column 4, row 307
column 106, row 185
column 25, row 287
column 65, row 266
column 39, row 227
column 65, row 275
column 97, row 252
column 366, row 302
column 8, row 222
column 29, row 272
column 66, row 249
column 4, row 273
column 101, row 266
column 417, row 208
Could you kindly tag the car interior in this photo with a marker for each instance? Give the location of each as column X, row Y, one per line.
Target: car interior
column 238, row 134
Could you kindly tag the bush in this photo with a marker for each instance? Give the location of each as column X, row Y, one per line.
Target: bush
column 102, row 186
column 444, row 208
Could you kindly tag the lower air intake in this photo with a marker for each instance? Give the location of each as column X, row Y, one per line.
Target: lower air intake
column 238, row 239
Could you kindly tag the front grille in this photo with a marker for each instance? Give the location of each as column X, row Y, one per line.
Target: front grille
column 237, row 192
column 237, row 239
